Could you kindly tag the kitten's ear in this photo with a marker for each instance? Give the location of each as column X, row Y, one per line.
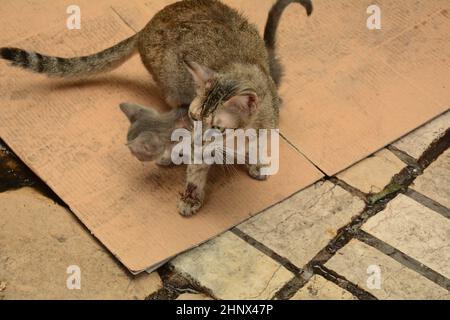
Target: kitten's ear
column 244, row 103
column 131, row 110
column 200, row 74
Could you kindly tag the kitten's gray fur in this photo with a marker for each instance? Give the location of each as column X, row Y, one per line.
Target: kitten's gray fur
column 201, row 53
column 149, row 135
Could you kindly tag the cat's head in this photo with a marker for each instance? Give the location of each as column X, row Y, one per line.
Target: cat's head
column 223, row 100
column 148, row 135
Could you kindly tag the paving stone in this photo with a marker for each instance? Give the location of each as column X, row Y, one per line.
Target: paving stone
column 415, row 143
column 191, row 296
column 372, row 174
column 301, row 226
column 355, row 261
column 319, row 288
column 39, row 240
column 416, row 231
column 232, row 269
column 435, row 182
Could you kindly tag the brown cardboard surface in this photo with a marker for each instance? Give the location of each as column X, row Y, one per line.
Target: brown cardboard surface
column 348, row 92
column 72, row 134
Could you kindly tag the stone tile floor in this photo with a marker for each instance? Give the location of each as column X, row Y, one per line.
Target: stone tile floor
column 378, row 230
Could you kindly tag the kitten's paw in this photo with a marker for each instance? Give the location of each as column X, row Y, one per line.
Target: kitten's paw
column 254, row 171
column 189, row 208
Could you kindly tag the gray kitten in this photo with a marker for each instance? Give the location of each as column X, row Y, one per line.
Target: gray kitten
column 149, row 135
column 201, row 53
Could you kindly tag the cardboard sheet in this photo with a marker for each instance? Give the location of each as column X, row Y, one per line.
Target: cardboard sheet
column 348, row 92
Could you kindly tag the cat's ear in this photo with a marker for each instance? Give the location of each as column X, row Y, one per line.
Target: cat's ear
column 200, row 74
column 244, row 103
column 131, row 110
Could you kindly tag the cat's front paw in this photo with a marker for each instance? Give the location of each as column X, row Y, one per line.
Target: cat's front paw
column 191, row 201
column 254, row 171
column 188, row 208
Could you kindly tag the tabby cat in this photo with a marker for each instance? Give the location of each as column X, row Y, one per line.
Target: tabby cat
column 204, row 56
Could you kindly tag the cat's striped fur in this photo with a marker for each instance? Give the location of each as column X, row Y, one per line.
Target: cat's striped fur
column 72, row 67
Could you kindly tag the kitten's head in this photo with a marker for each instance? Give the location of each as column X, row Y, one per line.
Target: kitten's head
column 223, row 101
column 148, row 134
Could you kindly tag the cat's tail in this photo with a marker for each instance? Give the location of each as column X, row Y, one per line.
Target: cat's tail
column 103, row 61
column 270, row 33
